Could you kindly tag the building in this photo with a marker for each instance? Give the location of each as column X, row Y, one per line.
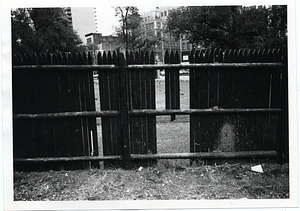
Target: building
column 155, row 21
column 103, row 43
column 82, row 19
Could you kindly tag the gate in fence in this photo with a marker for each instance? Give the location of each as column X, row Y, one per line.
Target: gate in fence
column 238, row 107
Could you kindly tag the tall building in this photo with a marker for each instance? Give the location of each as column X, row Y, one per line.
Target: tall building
column 82, row 19
column 155, row 21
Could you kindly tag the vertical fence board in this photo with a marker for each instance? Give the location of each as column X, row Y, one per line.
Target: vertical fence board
column 172, row 88
column 283, row 145
column 109, row 100
column 192, row 88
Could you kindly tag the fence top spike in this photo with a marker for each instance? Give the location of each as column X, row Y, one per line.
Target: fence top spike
column 99, row 58
column 209, row 56
column 136, row 57
column 192, row 56
column 152, row 58
column 172, row 57
column 177, row 58
column 109, row 58
column 130, row 59
column 65, row 58
column 84, row 59
column 104, row 58
column 127, row 55
column 167, row 57
column 90, row 59
column 120, row 58
column 141, row 57
column 115, row 57
column 147, row 58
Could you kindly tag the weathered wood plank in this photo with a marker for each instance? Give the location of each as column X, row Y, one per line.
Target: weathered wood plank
column 110, row 102
column 207, row 155
column 146, row 112
column 104, row 67
column 66, row 159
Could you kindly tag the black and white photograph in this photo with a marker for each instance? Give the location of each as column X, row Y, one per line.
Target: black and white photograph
column 150, row 105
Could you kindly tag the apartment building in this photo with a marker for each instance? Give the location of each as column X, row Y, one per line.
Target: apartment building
column 155, row 21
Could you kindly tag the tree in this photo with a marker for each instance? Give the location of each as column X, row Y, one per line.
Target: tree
column 133, row 33
column 38, row 30
column 92, row 47
column 130, row 22
column 277, row 27
column 230, row 26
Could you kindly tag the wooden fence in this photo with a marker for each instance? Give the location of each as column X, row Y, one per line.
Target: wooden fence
column 238, row 107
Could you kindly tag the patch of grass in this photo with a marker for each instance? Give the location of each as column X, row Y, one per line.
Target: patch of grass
column 164, row 181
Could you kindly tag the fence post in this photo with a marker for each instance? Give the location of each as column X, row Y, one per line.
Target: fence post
column 283, row 145
column 124, row 110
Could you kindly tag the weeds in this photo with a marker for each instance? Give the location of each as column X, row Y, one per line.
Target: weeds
column 163, row 181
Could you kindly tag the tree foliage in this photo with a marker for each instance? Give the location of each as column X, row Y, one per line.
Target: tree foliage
column 38, row 30
column 231, row 26
column 132, row 32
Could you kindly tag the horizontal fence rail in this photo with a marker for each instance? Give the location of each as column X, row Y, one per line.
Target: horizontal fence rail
column 141, row 112
column 200, row 155
column 145, row 67
column 81, row 114
column 207, row 155
column 66, row 159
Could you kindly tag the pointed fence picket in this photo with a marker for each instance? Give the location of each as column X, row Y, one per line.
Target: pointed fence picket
column 172, row 85
column 110, row 100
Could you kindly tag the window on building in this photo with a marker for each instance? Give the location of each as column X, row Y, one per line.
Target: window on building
column 89, row 40
column 162, row 14
column 165, row 13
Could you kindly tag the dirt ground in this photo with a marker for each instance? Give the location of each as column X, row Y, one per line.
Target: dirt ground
column 161, row 182
column 168, row 180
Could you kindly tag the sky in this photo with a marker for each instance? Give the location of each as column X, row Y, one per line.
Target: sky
column 106, row 19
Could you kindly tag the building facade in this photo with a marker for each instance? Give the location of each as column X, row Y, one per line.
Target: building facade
column 155, row 21
column 96, row 42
